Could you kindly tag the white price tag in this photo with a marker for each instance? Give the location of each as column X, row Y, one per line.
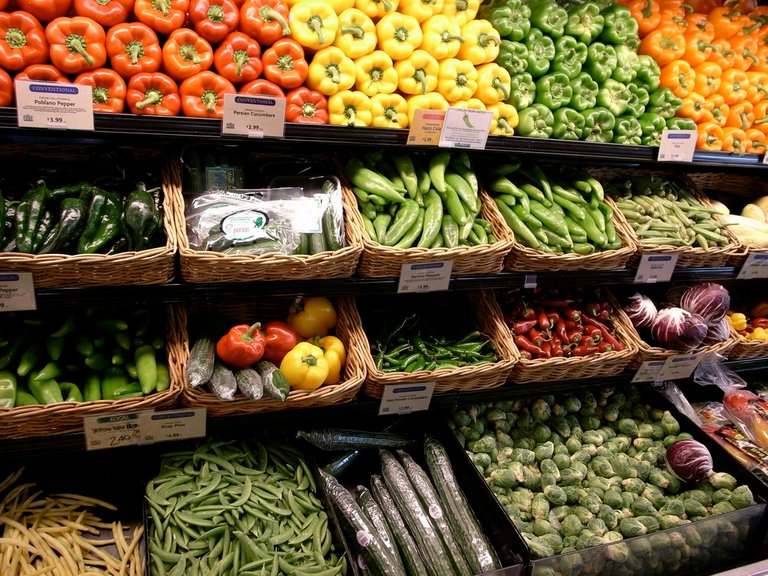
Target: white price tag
column 425, row 276
column 655, row 268
column 755, row 266
column 406, row 398
column 112, row 430
column 173, row 425
column 530, row 281
column 648, row 371
column 765, row 158
column 679, row 367
column 17, row 291
column 54, row 105
column 677, row 145
column 465, row 128
column 253, row 116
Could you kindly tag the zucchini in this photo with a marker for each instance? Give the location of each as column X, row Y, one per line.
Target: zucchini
column 416, row 518
column 275, row 384
column 200, row 363
column 431, row 502
column 475, row 545
column 222, row 382
column 409, row 551
column 375, row 515
column 345, row 439
column 249, row 383
column 357, row 525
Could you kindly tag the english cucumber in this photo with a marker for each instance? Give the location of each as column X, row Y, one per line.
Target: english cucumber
column 371, row 509
column 200, row 363
column 346, row 439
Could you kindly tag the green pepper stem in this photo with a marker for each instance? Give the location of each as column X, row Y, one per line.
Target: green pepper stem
column 268, row 13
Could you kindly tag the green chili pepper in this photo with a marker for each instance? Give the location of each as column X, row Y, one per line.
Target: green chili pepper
column 46, row 391
column 70, row 392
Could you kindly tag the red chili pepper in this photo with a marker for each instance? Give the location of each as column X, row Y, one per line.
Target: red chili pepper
column 527, row 313
column 592, row 308
column 557, row 351
column 553, row 316
column 760, row 323
column 538, row 337
column 526, row 355
column 605, row 347
column 543, row 320
column 606, row 333
column 571, row 325
column 575, row 337
column 584, row 350
column 572, row 314
column 562, row 332
column 523, row 327
column 526, row 345
column 547, row 347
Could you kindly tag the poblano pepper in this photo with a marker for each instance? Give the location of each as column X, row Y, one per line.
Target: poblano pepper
column 510, row 18
column 141, row 221
column 522, row 91
column 570, row 56
column 541, row 52
column 536, row 121
column 584, row 92
column 549, row 17
column 72, row 218
column 554, row 90
column 638, row 100
column 29, row 215
column 585, row 23
column 614, row 96
column 652, row 126
column 513, row 56
column 598, row 125
column 619, row 27
column 568, row 124
column 601, row 61
column 627, row 64
column 628, row 130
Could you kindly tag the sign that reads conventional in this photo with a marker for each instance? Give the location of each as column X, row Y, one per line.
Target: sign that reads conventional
column 54, row 106
column 253, row 116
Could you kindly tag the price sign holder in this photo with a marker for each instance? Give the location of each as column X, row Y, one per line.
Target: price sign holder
column 648, row 371
column 677, row 145
column 755, row 266
column 425, row 276
column 173, row 425
column 426, row 127
column 54, row 105
column 406, row 398
column 17, row 291
column 253, row 116
column 143, row 427
column 112, row 430
column 679, row 367
column 465, row 128
column 655, row 268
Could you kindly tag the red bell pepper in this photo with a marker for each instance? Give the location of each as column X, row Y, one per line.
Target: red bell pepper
column 285, row 64
column 22, row 41
column 76, row 44
column 108, row 89
column 262, row 86
column 214, row 19
column 133, row 47
column 306, row 106
column 153, row 93
column 186, row 53
column 162, row 16
column 45, row 10
column 203, row 94
column 242, row 346
column 7, row 94
column 237, row 58
column 266, row 21
column 108, row 13
column 281, row 339
column 42, row 73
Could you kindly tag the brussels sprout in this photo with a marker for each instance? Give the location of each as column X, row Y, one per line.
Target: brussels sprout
column 570, row 477
column 741, row 497
column 613, row 498
column 540, row 410
column 589, row 422
column 470, row 434
column 494, row 414
column 560, row 425
column 505, row 455
column 611, row 413
column 588, row 402
column 499, row 490
column 570, row 542
column 631, row 527
column 593, row 437
column 483, row 444
column 503, row 498
column 582, row 514
column 526, row 422
column 521, row 525
column 657, row 477
column 618, row 552
column 633, row 485
column 694, row 508
column 524, row 456
column 650, row 458
column 587, row 539
column 561, row 460
column 645, row 430
column 722, row 508
column 721, row 495
column 669, row 423
column 723, row 480
column 539, row 506
column 619, row 443
column 650, row 522
column 542, row 433
column 643, row 469
column 512, row 510
column 658, row 431
column 525, row 442
column 543, row 451
column 548, row 466
column 675, row 485
column 547, row 480
column 461, row 418
column 591, row 502
column 561, row 448
column 642, row 444
column 582, row 456
column 503, row 440
column 604, row 452
column 481, row 459
column 643, row 507
column 670, row 521
column 531, row 477
column 640, row 413
column 571, row 525
column 576, row 430
column 572, row 493
column 597, row 526
column 608, row 515
column 581, row 468
column 559, row 512
column 692, row 537
column 602, row 467
column 599, row 483
column 554, row 540
column 628, row 427
column 540, row 527
column 502, row 426
column 571, row 403
column 503, row 478
column 654, row 495
column 522, row 499
column 557, row 440
column 539, row 548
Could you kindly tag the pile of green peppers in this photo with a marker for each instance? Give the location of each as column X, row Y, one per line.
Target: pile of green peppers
column 576, row 73
column 81, row 218
column 82, row 356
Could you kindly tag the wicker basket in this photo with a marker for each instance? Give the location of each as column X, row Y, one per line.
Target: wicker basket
column 687, row 257
column 647, row 352
column 465, row 379
column 575, row 368
column 328, row 395
column 209, row 266
column 152, row 266
column 67, row 417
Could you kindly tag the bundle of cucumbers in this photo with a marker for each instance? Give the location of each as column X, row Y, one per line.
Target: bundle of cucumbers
column 81, row 218
column 409, row 200
column 554, row 211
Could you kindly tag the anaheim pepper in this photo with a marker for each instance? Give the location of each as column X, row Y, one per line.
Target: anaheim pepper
column 22, row 41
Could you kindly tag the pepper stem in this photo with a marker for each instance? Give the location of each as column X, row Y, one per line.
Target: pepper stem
column 135, row 50
column 76, row 45
column 215, row 13
column 100, row 95
column 332, row 71
column 248, row 336
column 309, row 360
column 484, row 40
column 505, row 126
column 390, row 114
column 315, row 24
column 189, row 53
column 421, row 77
column 357, row 32
column 499, row 85
column 268, row 13
column 162, row 6
column 15, row 38
column 285, row 62
column 349, row 112
column 308, row 110
column 241, row 60
column 446, row 36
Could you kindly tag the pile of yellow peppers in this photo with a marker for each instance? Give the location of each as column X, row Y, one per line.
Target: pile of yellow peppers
column 754, row 327
column 378, row 61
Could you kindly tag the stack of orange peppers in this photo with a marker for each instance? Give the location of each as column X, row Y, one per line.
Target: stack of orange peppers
column 714, row 57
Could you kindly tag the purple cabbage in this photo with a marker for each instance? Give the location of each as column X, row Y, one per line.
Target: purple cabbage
column 709, row 300
column 641, row 311
column 678, row 329
column 718, row 332
column 689, row 460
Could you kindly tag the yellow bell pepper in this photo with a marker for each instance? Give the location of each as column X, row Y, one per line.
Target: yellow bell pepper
column 330, row 71
column 442, row 37
column 349, row 108
column 335, row 354
column 338, row 5
column 312, row 316
column 357, row 33
column 313, row 23
column 493, row 83
column 428, row 101
column 305, row 367
column 738, row 321
column 472, row 104
column 399, row 35
column 375, row 74
column 457, row 79
column 377, row 8
column 417, row 74
column 760, row 334
column 481, row 42
column 389, row 111
column 461, row 11
column 421, row 9
column 505, row 119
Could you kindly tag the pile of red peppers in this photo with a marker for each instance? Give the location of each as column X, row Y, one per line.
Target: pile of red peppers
column 553, row 323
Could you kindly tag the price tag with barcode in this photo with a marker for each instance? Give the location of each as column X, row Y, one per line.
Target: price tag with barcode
column 178, row 424
column 677, row 145
column 17, row 291
column 655, row 268
column 755, row 266
column 679, row 367
column 54, row 105
column 425, row 276
column 648, row 371
column 406, row 398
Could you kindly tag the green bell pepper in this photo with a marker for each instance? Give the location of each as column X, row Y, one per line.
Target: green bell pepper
column 614, row 96
column 554, row 90
column 536, row 121
column 510, row 18
column 648, row 73
column 7, row 389
column 598, row 125
column 619, row 27
column 628, row 131
column 585, row 22
column 638, row 99
column 601, row 61
column 570, row 56
column 522, row 91
column 549, row 17
column 652, row 126
column 584, row 92
column 569, row 124
column 627, row 64
column 664, row 103
column 541, row 52
column 513, row 57
column 680, row 124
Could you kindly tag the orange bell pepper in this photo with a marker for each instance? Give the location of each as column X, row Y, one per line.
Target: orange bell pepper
column 734, row 86
column 262, row 86
column 704, row 6
column 719, row 108
column 108, row 89
column 647, row 13
column 697, row 47
column 745, row 47
column 741, row 115
column 679, row 77
column 42, row 73
column 756, row 141
column 238, row 58
column 726, row 22
column 758, row 86
column 306, row 106
column 153, row 93
column 266, row 21
column 45, row 10
column 202, row 95
column 76, row 44
column 285, row 64
column 695, row 107
column 762, row 58
column 721, row 54
column 710, row 136
column 7, row 94
column 734, row 140
column 698, row 24
column 708, row 78
column 214, row 19
column 106, row 12
column 761, row 117
column 133, row 47
column 22, row 41
column 186, row 53
column 664, row 44
column 162, row 16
